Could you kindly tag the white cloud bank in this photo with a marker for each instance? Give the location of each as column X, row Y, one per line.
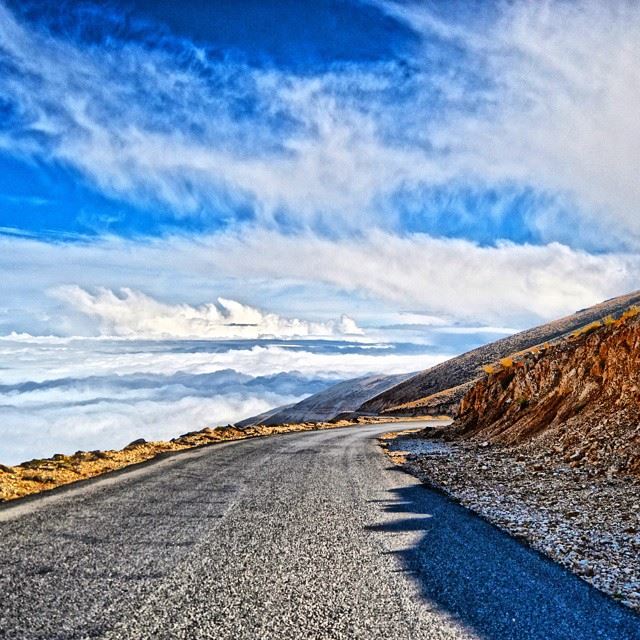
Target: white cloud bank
column 98, row 399
column 555, row 104
column 507, row 285
column 130, row 313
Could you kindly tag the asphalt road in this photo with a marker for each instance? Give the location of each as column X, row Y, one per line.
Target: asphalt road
column 311, row 535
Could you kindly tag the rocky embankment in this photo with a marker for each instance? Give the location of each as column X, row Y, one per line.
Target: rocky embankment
column 547, row 446
column 575, row 402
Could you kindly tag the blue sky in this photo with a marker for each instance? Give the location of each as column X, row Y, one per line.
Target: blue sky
column 470, row 164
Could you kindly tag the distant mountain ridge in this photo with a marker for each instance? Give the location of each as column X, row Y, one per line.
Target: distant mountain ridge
column 415, row 395
column 439, row 389
column 343, row 398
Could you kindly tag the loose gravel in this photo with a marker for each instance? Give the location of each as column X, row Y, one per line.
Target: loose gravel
column 589, row 524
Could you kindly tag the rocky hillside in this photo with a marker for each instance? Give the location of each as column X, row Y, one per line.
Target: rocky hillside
column 438, row 390
column 340, row 399
column 417, row 395
column 576, row 401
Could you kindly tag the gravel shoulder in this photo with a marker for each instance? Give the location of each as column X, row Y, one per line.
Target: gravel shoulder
column 588, row 524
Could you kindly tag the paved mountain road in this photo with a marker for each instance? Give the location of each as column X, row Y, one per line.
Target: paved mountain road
column 311, row 535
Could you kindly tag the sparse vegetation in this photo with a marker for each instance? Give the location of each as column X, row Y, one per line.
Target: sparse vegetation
column 631, row 312
column 588, row 328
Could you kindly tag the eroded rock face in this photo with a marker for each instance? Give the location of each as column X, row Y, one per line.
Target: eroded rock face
column 578, row 400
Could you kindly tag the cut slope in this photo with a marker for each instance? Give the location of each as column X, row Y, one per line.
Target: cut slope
column 415, row 396
column 577, row 400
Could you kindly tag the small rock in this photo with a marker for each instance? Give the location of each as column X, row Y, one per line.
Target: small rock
column 136, row 443
column 584, row 568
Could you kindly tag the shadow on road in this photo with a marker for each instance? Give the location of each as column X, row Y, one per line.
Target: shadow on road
column 494, row 585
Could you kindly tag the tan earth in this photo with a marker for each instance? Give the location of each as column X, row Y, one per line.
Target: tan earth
column 576, row 402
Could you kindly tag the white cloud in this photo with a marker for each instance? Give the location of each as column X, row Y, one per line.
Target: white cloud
column 555, row 102
column 40, row 431
column 507, row 331
column 513, row 285
column 131, row 313
column 405, row 318
column 310, row 150
column 507, row 283
column 69, row 393
column 40, row 359
column 545, row 97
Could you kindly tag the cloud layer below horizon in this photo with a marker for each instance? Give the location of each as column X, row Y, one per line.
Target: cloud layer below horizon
column 65, row 394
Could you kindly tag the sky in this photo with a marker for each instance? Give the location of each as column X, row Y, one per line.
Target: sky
column 372, row 172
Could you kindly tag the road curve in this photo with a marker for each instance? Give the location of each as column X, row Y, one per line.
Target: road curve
column 310, row 535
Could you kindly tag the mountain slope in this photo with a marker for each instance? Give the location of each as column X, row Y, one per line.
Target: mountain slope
column 453, row 378
column 343, row 397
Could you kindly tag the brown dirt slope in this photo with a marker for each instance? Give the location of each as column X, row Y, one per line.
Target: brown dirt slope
column 577, row 400
column 414, row 396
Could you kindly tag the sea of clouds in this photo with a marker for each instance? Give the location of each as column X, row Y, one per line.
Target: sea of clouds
column 59, row 395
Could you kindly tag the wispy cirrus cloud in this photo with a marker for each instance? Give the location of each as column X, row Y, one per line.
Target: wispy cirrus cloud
column 551, row 102
column 157, row 123
column 520, row 104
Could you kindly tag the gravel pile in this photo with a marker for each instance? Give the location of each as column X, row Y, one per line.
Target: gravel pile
column 589, row 524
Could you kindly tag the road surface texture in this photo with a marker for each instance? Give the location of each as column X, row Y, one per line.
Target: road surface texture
column 309, row 535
